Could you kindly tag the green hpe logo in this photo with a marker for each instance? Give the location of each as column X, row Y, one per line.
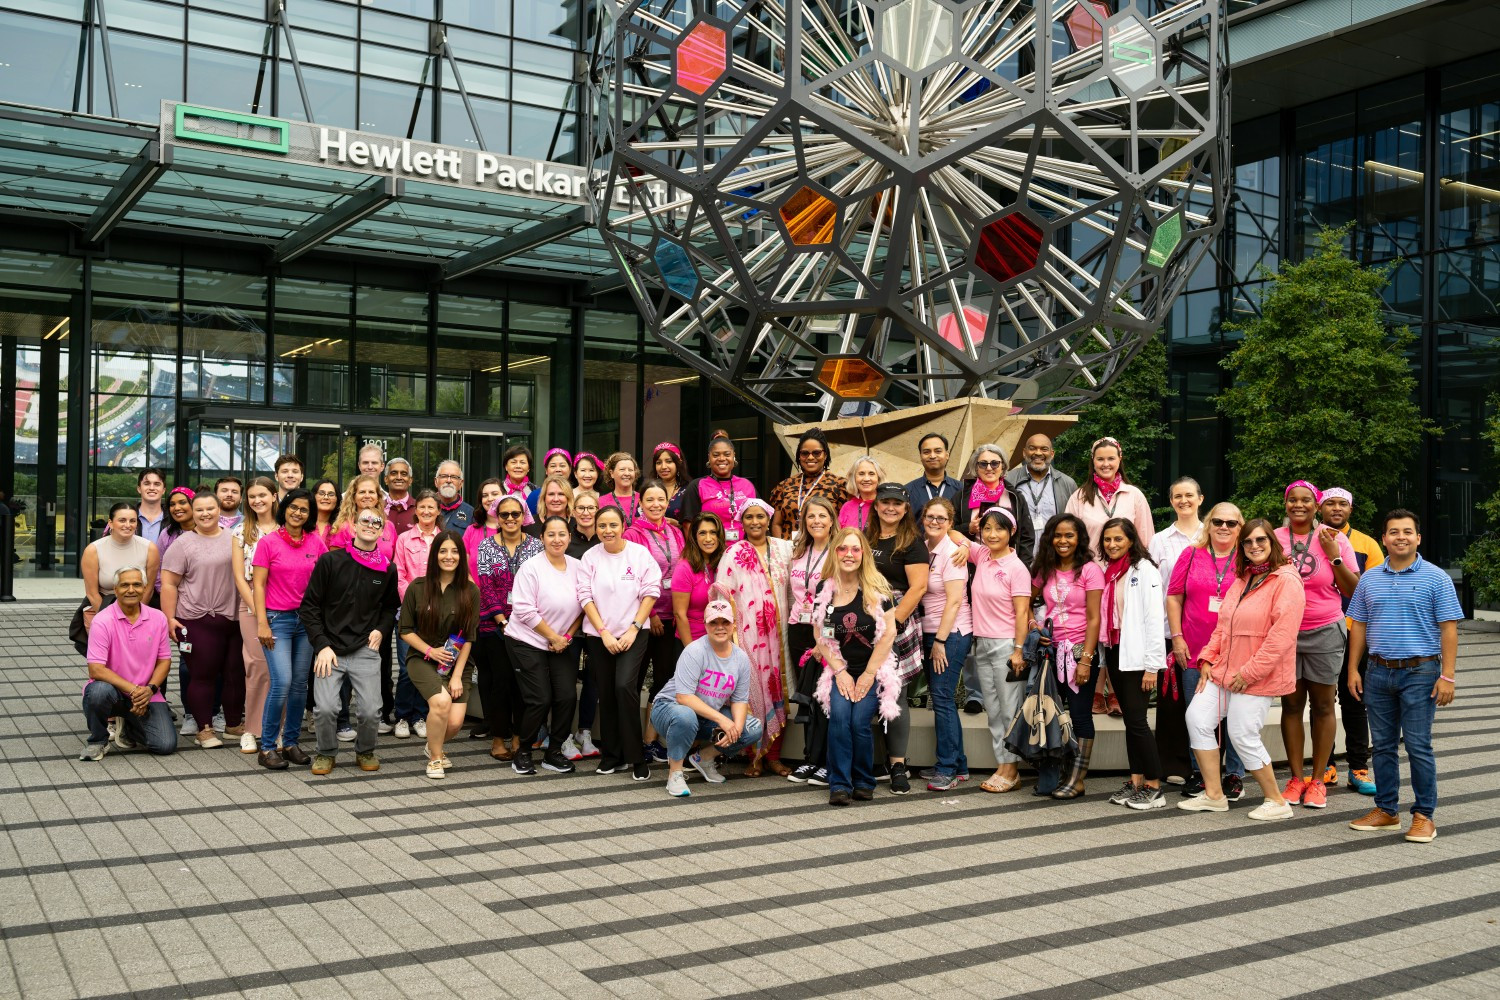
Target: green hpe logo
column 1133, row 53
column 228, row 128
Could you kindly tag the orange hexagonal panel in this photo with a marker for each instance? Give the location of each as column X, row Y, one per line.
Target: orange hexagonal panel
column 702, row 57
column 809, row 217
column 850, row 378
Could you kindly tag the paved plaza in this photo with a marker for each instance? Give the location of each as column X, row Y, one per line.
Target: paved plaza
column 201, row 875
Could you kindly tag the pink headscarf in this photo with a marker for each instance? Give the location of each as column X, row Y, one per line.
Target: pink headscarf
column 1317, row 496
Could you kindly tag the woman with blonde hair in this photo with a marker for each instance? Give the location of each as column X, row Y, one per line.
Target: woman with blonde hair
column 260, row 520
column 363, row 494
column 865, row 477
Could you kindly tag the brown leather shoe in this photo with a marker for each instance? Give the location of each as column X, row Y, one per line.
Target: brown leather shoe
column 1422, row 831
column 296, row 755
column 1376, row 819
column 500, row 750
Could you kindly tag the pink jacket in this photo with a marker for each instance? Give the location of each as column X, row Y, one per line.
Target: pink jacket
column 1258, row 639
column 887, row 682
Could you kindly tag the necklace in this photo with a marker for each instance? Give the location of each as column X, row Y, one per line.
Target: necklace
column 1302, row 556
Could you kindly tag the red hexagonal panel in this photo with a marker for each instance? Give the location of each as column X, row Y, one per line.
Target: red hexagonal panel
column 1083, row 29
column 702, row 57
column 1008, row 246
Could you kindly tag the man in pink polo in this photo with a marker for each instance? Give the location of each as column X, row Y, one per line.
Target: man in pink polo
column 129, row 656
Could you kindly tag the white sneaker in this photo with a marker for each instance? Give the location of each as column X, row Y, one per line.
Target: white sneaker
column 384, row 728
column 1269, row 811
column 677, row 785
column 189, row 726
column 346, row 735
column 208, row 740
column 94, row 751
column 403, row 730
column 118, row 736
column 219, row 725
column 708, row 768
column 1202, row 803
column 570, row 749
column 586, row 743
column 420, row 728
column 248, row 743
column 435, row 770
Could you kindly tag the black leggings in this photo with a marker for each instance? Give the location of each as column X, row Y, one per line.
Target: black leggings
column 548, row 683
column 799, row 639
column 1140, row 744
column 499, row 696
column 617, row 677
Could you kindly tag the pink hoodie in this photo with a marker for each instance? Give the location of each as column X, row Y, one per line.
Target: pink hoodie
column 1258, row 639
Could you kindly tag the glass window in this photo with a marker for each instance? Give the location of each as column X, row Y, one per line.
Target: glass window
column 1469, row 154
column 556, row 320
column 244, row 8
column 227, row 32
column 483, row 81
column 146, row 16
column 331, row 93
column 542, row 59
column 147, row 72
column 228, row 80
column 322, row 15
column 325, row 50
column 135, row 377
column 391, row 30
column 1392, row 168
column 394, row 64
column 312, row 359
column 487, row 15
column 470, row 356
column 392, row 108
column 543, row 135
column 390, row 351
column 474, row 45
column 1325, row 170
column 416, row 8
column 545, row 91
column 69, row 10
column 494, row 123
column 1468, row 372
column 554, row 21
column 41, row 63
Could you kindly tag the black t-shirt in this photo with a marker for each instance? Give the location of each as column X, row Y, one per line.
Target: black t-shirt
column 854, row 631
column 580, row 543
column 892, row 564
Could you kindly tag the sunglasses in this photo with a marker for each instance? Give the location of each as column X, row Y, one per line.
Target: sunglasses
column 810, row 454
column 1255, row 543
column 995, row 464
column 371, row 522
column 509, row 515
column 1219, row 522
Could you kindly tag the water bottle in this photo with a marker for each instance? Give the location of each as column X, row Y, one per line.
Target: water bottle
column 452, row 645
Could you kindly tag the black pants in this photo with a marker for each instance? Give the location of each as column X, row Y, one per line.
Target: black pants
column 661, row 653
column 500, row 698
column 1356, row 722
column 1171, row 725
column 799, row 639
column 617, row 678
column 548, row 683
column 1140, row 744
column 387, row 678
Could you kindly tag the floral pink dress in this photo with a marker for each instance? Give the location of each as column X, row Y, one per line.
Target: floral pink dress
column 759, row 593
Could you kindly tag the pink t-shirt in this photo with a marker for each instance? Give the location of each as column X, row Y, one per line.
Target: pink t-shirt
column 207, row 585
column 288, row 568
column 1066, row 595
column 664, row 542
column 855, row 513
column 616, row 583
column 804, row 576
column 132, row 651
column 940, row 570
column 1199, row 576
column 1324, row 602
column 543, row 593
column 696, row 586
column 997, row 583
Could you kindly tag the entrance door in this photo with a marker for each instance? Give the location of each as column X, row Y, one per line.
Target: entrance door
column 482, row 453
column 240, row 448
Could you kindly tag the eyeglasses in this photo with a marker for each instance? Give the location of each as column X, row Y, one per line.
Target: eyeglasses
column 371, row 522
column 1219, row 522
column 849, row 550
column 936, row 518
column 1256, row 542
column 448, row 475
column 811, row 454
column 994, row 464
column 590, row 509
column 509, row 515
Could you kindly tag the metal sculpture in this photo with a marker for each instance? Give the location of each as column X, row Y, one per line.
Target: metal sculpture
column 841, row 205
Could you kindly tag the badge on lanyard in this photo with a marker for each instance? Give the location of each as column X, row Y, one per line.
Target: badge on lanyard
column 1038, row 523
column 1214, row 604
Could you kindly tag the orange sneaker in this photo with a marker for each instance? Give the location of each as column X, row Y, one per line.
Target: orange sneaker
column 1315, row 795
column 1293, row 791
column 1331, row 775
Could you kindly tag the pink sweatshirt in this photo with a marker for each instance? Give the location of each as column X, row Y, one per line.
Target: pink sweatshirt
column 412, row 551
column 1130, row 503
column 664, row 542
column 616, row 583
column 543, row 594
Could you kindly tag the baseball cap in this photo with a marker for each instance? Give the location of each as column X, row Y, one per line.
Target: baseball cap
column 891, row 491
column 715, row 610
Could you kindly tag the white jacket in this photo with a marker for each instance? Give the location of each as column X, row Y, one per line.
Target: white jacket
column 1141, row 646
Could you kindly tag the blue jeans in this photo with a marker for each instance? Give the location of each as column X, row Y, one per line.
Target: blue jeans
column 851, row 745
column 288, row 663
column 1400, row 706
column 1232, row 763
column 944, row 689
column 409, row 705
column 154, row 729
column 680, row 727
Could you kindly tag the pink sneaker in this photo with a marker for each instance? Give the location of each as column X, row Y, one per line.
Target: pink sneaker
column 1315, row 795
column 1295, row 788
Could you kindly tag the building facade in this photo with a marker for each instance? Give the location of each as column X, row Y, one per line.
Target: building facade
column 191, row 304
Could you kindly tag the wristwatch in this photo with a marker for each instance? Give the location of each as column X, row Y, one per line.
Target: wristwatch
column 1337, row 560
column 154, row 689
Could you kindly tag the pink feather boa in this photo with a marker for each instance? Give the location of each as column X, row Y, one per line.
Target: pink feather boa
column 887, row 683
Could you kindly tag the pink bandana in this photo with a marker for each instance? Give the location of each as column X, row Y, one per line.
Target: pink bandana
column 983, row 496
column 1107, row 490
column 375, row 560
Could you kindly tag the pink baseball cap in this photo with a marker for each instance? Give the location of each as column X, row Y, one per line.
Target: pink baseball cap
column 718, row 609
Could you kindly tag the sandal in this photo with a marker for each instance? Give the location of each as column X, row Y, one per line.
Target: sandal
column 999, row 784
column 753, row 769
column 778, row 768
column 504, row 753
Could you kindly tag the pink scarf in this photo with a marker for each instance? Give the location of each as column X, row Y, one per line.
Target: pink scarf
column 1107, row 490
column 1113, row 573
column 983, row 496
column 375, row 560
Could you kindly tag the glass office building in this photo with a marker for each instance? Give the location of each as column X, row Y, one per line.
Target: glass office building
column 202, row 306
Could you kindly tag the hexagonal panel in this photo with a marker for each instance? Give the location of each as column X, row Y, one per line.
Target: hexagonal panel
column 809, row 217
column 1168, row 234
column 1083, row 28
column 916, row 33
column 950, row 331
column 702, row 58
column 1131, row 54
column 677, row 270
column 850, row 378
column 1008, row 246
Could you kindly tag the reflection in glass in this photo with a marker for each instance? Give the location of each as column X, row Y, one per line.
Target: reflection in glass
column 1469, row 154
column 43, row 57
column 544, row 135
column 227, row 80
column 147, row 72
column 395, row 108
column 331, row 94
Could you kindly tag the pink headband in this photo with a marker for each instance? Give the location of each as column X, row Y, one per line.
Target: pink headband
column 185, row 491
column 1003, row 512
column 1317, row 497
column 1337, row 493
column 556, row 451
column 588, row 455
column 667, row 446
column 752, row 503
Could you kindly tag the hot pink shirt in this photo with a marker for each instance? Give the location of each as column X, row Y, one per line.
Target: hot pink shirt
column 132, row 651
column 855, row 513
column 1198, row 576
column 542, row 593
column 997, row 583
column 664, row 542
column 288, row 568
column 940, row 570
column 696, row 586
column 1324, row 603
column 616, row 583
column 412, row 551
column 1066, row 595
column 474, row 536
column 804, row 576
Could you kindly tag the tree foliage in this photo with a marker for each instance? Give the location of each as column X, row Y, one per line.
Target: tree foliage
column 1481, row 563
column 1323, row 391
column 1130, row 411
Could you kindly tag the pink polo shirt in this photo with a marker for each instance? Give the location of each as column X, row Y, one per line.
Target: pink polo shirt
column 288, row 568
column 132, row 651
column 1324, row 603
column 940, row 570
column 997, row 583
column 543, row 593
column 1066, row 594
column 855, row 513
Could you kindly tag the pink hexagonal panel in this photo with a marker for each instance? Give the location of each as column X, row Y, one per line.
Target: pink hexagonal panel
column 1083, row 29
column 702, row 57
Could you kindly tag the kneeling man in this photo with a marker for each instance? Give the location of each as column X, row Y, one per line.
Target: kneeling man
column 129, row 656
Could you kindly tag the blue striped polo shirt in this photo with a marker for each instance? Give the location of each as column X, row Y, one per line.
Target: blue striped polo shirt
column 1402, row 610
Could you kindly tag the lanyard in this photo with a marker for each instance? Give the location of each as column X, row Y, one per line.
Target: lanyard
column 1034, row 496
column 931, row 494
column 804, row 491
column 1220, row 574
column 665, row 547
column 1060, row 608
column 807, row 573
column 1302, row 555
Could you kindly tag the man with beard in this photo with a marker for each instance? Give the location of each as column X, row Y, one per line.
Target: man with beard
column 1046, row 489
column 453, row 513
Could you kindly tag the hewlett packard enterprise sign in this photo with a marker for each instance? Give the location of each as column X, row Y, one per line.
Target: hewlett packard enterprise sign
column 190, row 126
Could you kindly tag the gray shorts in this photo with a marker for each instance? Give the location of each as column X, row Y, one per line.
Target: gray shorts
column 1320, row 653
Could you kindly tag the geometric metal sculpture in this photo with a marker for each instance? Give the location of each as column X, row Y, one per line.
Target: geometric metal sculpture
column 860, row 204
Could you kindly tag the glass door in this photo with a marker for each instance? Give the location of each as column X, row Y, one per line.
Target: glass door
column 426, row 449
column 482, row 453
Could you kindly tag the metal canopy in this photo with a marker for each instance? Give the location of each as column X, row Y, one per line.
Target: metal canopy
column 518, row 242
column 132, row 186
column 352, row 211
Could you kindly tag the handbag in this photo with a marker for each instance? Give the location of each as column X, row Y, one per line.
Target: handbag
column 79, row 635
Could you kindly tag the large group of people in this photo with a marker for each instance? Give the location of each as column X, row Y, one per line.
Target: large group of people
column 839, row 604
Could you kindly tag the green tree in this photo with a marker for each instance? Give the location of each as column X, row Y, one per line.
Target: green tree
column 1323, row 391
column 1130, row 411
column 1481, row 563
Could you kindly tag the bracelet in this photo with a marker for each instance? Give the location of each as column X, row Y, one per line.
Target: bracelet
column 427, row 653
column 1177, row 635
column 567, row 637
column 1450, row 680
